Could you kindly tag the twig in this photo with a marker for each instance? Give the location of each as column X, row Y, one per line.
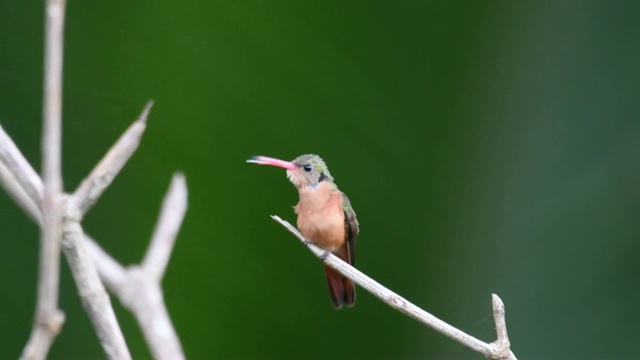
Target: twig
column 21, row 170
column 140, row 290
column 49, row 318
column 103, row 174
column 142, row 293
column 111, row 272
column 94, row 297
column 138, row 287
column 164, row 236
column 73, row 247
column 490, row 351
column 19, row 179
column 501, row 329
column 162, row 338
column 58, row 219
column 91, row 289
column 18, row 194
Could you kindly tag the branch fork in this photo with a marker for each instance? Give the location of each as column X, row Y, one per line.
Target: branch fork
column 138, row 287
column 59, row 216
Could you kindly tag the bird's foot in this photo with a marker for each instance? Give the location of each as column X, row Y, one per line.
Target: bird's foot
column 324, row 256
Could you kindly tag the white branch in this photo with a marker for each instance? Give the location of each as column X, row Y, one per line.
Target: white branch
column 502, row 343
column 142, row 295
column 490, row 351
column 49, row 318
column 111, row 272
column 137, row 289
column 16, row 188
column 18, row 193
column 103, row 174
column 164, row 236
column 59, row 217
column 92, row 293
column 141, row 291
column 21, row 172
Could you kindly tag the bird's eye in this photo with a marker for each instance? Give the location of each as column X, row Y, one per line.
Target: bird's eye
column 307, row 168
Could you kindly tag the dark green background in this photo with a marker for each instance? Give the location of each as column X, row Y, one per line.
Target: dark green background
column 485, row 146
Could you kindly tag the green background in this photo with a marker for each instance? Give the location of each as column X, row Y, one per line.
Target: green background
column 487, row 147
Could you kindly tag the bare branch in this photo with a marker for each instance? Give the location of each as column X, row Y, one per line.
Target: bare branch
column 490, row 351
column 22, row 172
column 103, row 174
column 49, row 318
column 504, row 351
column 16, row 188
column 92, row 293
column 138, row 287
column 111, row 272
column 174, row 207
column 18, row 193
column 137, row 291
column 142, row 294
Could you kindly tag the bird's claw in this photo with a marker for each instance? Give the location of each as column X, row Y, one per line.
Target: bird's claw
column 325, row 255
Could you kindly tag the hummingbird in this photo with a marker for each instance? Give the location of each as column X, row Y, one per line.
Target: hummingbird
column 325, row 217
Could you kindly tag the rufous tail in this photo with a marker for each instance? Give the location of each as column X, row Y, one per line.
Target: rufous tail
column 341, row 289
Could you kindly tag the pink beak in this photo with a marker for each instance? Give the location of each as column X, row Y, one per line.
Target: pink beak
column 264, row 160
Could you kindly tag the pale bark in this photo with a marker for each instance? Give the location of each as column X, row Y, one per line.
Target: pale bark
column 499, row 349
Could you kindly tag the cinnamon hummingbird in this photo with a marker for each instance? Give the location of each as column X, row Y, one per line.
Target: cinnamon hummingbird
column 325, row 217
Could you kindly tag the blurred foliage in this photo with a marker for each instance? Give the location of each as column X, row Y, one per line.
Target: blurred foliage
column 485, row 146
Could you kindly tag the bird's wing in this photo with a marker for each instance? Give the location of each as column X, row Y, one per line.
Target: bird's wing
column 351, row 228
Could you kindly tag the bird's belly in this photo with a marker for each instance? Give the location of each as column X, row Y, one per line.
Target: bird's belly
column 323, row 227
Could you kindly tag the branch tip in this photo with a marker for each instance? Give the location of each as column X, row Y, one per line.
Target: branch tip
column 145, row 112
column 497, row 302
column 103, row 174
column 499, row 317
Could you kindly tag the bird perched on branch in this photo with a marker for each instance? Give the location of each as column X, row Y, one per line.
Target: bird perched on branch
column 325, row 217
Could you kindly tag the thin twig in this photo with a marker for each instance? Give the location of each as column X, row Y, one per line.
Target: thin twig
column 111, row 272
column 49, row 318
column 501, row 329
column 73, row 246
column 18, row 194
column 174, row 207
column 490, row 351
column 103, row 174
column 92, row 293
column 12, row 159
column 140, row 293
